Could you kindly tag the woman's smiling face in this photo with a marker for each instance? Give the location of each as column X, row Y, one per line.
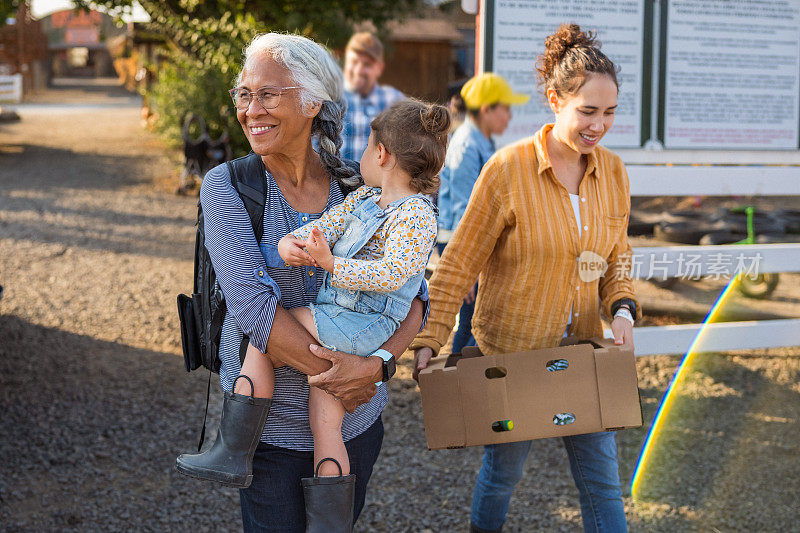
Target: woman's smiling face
column 583, row 118
column 273, row 131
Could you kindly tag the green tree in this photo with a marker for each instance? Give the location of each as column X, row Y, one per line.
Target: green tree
column 206, row 40
column 201, row 27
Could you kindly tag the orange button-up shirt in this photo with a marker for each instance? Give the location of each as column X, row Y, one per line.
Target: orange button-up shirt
column 519, row 237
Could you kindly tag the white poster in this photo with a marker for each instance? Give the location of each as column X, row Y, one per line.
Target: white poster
column 733, row 77
column 519, row 30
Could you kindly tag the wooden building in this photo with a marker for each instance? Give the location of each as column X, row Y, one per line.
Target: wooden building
column 23, row 50
column 78, row 42
column 421, row 57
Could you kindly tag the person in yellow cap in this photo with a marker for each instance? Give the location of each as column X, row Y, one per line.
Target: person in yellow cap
column 488, row 99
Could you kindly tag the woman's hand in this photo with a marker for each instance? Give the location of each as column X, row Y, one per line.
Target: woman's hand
column 623, row 332
column 351, row 379
column 318, row 248
column 422, row 357
column 291, row 249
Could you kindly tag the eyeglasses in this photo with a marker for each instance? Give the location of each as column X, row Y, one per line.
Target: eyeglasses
column 268, row 97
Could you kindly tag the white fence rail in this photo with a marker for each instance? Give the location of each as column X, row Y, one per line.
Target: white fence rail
column 746, row 180
column 658, row 262
column 719, row 337
column 719, row 174
column 11, row 88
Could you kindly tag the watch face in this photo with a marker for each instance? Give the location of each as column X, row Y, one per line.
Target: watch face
column 389, row 368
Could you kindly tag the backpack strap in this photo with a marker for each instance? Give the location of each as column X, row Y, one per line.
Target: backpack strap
column 199, row 243
column 247, row 177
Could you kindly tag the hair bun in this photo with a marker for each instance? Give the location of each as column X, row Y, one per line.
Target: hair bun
column 558, row 44
column 435, row 119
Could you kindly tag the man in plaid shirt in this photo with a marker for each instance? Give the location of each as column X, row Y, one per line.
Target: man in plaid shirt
column 363, row 65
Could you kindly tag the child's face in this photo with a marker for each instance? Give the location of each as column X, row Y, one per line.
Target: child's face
column 370, row 169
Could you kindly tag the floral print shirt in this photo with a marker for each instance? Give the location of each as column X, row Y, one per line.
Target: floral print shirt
column 398, row 250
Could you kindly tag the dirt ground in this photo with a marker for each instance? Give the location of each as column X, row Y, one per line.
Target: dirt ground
column 95, row 404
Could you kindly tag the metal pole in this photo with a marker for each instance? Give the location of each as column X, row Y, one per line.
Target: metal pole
column 654, row 143
column 479, row 37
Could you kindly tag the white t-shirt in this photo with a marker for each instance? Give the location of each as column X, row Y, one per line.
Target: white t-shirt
column 576, row 208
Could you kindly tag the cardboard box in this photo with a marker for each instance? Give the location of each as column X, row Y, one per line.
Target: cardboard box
column 583, row 387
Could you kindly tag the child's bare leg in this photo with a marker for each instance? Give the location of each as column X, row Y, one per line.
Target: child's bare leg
column 258, row 367
column 325, row 414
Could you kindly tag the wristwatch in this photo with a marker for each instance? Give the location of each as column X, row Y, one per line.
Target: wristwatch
column 624, row 302
column 389, row 366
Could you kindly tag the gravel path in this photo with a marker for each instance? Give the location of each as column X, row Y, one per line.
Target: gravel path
column 95, row 404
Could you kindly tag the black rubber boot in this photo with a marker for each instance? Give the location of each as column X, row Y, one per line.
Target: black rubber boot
column 329, row 501
column 230, row 459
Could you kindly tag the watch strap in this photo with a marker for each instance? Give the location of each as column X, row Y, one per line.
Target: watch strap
column 383, row 354
column 630, row 304
column 388, row 361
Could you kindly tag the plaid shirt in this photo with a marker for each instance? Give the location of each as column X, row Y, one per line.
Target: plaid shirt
column 360, row 112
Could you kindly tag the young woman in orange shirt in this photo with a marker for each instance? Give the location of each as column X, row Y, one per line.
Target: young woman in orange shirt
column 540, row 208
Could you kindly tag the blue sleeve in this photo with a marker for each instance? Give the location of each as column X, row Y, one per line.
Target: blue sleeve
column 251, row 295
column 464, row 166
column 426, row 301
column 272, row 257
column 443, row 201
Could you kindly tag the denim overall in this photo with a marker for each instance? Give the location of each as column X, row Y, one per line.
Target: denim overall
column 354, row 321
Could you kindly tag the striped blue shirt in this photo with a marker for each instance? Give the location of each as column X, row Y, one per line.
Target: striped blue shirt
column 252, row 299
column 360, row 112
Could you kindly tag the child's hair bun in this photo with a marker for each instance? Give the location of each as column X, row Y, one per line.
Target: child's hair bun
column 436, row 119
column 415, row 132
column 558, row 44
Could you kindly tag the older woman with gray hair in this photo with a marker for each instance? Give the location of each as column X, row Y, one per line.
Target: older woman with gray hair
column 288, row 94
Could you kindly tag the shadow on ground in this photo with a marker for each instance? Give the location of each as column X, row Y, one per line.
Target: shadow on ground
column 32, row 167
column 86, row 206
column 90, row 445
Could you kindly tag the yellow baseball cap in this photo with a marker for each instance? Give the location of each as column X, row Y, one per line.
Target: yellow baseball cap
column 489, row 88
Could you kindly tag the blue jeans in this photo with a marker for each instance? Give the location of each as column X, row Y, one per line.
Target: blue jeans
column 348, row 331
column 274, row 501
column 463, row 336
column 593, row 461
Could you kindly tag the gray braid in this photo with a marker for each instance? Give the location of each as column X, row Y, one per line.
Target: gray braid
column 327, row 125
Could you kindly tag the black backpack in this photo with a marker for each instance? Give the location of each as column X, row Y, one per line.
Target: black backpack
column 201, row 314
